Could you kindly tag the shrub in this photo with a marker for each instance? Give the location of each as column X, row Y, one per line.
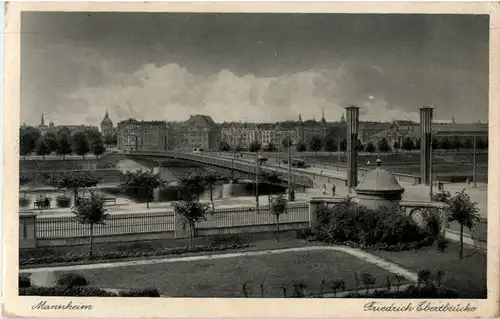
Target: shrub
column 71, row 280
column 412, row 291
column 65, row 292
column 442, row 243
column 63, row 201
column 358, row 226
column 146, row 292
column 53, row 258
column 24, row 202
column 305, row 233
column 229, row 239
column 24, row 282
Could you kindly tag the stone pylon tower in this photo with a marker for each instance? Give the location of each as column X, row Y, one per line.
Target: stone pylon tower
column 352, row 113
column 425, row 144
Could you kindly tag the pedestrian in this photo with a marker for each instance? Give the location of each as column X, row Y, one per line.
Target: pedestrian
column 333, row 190
column 324, row 189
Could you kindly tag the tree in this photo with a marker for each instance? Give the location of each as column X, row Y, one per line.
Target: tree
column 456, row 143
column 191, row 212
column 300, row 147
column 396, row 146
column 97, row 147
column 370, row 147
column 277, row 207
column 255, row 146
column 90, row 211
column 270, row 147
column 64, row 143
column 287, row 142
column 80, row 144
column 383, row 145
column 224, row 146
column 444, row 144
column 110, row 139
column 52, row 142
column 434, row 144
column 210, row 180
column 343, row 145
column 191, row 186
column 408, row 144
column 141, row 183
column 337, row 285
column 465, row 212
column 368, row 280
column 28, row 136
column 25, row 179
column 481, row 144
column 359, row 146
column 315, row 144
column 468, row 144
column 41, row 147
column 330, row 144
column 74, row 180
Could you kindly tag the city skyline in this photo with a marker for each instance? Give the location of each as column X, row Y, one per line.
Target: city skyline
column 254, row 68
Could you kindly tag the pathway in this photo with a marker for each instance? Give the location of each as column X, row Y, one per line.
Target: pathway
column 387, row 265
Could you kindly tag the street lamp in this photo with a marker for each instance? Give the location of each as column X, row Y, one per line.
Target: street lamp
column 258, row 163
column 289, row 168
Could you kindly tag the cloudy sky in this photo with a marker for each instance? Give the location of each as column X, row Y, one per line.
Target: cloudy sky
column 251, row 67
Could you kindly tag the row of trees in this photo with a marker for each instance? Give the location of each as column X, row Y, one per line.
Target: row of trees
column 91, row 211
column 63, row 142
column 331, row 144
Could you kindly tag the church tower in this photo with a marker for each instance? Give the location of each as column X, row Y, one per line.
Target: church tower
column 106, row 125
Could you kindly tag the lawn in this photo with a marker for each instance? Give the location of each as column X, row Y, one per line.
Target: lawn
column 225, row 277
column 467, row 276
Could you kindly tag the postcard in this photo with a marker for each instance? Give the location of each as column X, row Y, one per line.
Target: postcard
column 251, row 160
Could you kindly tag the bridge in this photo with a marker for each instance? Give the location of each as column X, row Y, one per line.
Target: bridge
column 236, row 165
column 312, row 177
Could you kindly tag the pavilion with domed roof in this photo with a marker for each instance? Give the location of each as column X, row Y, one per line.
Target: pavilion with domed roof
column 107, row 128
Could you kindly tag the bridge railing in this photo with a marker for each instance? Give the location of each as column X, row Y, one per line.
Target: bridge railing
column 296, row 178
column 401, row 177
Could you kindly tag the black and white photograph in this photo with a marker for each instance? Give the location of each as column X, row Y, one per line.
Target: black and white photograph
column 254, row 155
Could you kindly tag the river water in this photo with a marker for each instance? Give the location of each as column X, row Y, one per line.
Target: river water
column 165, row 194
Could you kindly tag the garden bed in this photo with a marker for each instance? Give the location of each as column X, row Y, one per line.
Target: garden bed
column 225, row 277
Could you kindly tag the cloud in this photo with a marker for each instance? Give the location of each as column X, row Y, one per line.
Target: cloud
column 171, row 92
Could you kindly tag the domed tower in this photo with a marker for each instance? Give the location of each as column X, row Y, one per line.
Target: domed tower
column 106, row 125
column 379, row 188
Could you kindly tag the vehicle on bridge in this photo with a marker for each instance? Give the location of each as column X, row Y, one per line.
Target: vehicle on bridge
column 299, row 163
column 197, row 150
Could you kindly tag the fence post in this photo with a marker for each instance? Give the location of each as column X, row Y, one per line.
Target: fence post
column 27, row 229
column 314, row 205
column 180, row 231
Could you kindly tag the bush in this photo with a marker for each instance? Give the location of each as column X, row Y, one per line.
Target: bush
column 229, row 239
column 24, row 202
column 412, row 291
column 442, row 243
column 63, row 201
column 65, row 291
column 24, row 282
column 147, row 292
column 358, row 226
column 53, row 258
column 306, row 233
column 71, row 280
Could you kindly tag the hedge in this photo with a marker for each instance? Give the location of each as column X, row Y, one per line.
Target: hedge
column 107, row 255
column 63, row 201
column 24, row 282
column 360, row 227
column 86, row 292
column 412, row 291
column 72, row 280
column 65, row 291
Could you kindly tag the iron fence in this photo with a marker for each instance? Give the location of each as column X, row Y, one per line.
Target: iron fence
column 164, row 221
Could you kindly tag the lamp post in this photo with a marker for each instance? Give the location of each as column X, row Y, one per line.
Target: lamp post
column 474, row 150
column 279, row 165
column 289, row 168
